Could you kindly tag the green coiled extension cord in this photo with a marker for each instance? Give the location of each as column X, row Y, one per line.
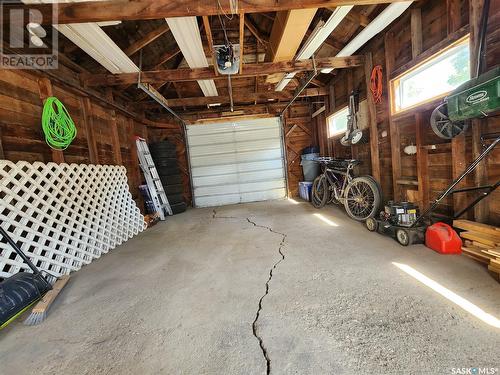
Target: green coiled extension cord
column 57, row 125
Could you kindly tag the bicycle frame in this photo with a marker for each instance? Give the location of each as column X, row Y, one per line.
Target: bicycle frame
column 334, row 180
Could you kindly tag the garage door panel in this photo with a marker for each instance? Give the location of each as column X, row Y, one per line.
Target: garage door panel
column 237, row 147
column 221, row 200
column 241, row 157
column 219, row 170
column 236, row 162
column 228, row 127
column 235, row 178
column 229, row 137
column 239, row 187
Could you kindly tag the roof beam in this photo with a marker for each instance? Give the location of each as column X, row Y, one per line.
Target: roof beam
column 256, row 33
column 251, row 70
column 100, row 11
column 238, row 97
column 146, row 39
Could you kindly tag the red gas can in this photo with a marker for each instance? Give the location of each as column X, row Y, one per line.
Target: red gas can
column 442, row 238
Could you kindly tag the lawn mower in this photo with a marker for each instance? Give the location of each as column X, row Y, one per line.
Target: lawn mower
column 477, row 98
column 402, row 221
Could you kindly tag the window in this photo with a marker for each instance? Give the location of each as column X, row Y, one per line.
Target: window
column 434, row 78
column 337, row 123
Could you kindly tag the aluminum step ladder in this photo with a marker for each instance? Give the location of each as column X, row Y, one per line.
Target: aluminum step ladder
column 155, row 187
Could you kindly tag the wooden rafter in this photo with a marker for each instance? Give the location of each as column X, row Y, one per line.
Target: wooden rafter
column 255, row 31
column 90, row 11
column 238, row 97
column 210, row 41
column 251, row 70
column 146, row 39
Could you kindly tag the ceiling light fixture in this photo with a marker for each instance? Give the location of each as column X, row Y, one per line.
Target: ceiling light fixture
column 187, row 35
column 384, row 19
column 320, row 33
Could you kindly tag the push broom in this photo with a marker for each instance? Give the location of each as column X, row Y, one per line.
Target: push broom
column 22, row 290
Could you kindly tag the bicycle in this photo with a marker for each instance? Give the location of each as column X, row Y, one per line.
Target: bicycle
column 361, row 196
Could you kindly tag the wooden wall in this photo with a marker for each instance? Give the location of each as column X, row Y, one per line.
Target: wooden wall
column 105, row 135
column 299, row 133
column 420, row 177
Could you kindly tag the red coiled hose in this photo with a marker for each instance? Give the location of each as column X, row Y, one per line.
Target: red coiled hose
column 376, row 83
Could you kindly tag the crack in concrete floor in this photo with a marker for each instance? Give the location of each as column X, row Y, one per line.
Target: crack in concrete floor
column 255, row 330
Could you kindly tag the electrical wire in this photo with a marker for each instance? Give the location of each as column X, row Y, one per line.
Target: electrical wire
column 234, row 7
column 57, row 125
column 376, row 83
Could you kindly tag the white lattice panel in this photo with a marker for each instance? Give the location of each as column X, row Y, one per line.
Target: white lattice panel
column 64, row 215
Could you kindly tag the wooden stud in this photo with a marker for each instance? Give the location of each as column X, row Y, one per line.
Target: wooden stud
column 416, row 32
column 242, row 39
column 88, row 122
column 394, row 129
column 372, row 120
column 422, row 163
column 481, row 210
column 115, row 138
column 458, row 164
column 453, row 15
column 2, row 153
column 45, row 91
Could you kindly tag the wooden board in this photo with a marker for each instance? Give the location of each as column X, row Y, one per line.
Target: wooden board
column 482, row 238
column 476, row 227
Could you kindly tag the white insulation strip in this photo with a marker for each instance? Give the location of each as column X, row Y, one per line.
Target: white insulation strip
column 64, row 215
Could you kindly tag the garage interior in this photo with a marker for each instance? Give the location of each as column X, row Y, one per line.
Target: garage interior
column 171, row 178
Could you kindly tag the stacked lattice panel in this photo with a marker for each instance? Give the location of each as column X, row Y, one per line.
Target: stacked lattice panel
column 65, row 216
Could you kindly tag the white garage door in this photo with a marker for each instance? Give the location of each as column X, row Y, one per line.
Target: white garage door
column 234, row 162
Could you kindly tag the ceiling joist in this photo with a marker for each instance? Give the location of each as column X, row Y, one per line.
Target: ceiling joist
column 250, row 70
column 100, row 11
column 146, row 39
column 238, row 97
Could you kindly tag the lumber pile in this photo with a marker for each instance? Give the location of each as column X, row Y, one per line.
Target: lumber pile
column 481, row 242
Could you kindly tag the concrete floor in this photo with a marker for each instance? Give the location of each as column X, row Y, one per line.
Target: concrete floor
column 183, row 298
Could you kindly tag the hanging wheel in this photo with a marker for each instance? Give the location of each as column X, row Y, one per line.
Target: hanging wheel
column 358, row 137
column 403, row 237
column 371, row 224
column 345, row 141
column 443, row 126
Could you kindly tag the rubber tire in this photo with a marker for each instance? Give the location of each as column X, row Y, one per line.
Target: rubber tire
column 376, row 197
column 172, row 153
column 321, row 179
column 178, row 208
column 174, row 179
column 403, row 237
column 371, row 224
column 173, row 189
column 345, row 142
column 168, row 171
column 363, row 139
column 162, row 145
column 175, row 198
column 165, row 162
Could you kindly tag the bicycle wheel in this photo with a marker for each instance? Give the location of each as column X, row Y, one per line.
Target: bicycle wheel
column 362, row 198
column 319, row 192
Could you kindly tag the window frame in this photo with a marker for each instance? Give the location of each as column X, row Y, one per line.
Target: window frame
column 436, row 56
column 339, row 133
